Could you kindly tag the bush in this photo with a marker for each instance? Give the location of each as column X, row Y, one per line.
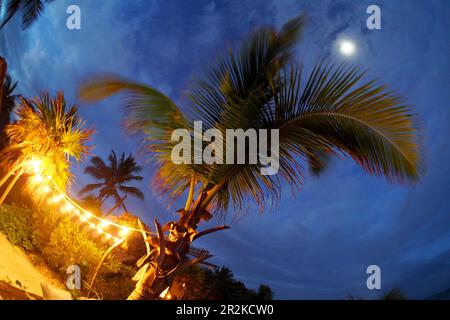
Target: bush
column 16, row 224
column 61, row 241
column 64, row 242
column 116, row 286
column 198, row 283
column 69, row 244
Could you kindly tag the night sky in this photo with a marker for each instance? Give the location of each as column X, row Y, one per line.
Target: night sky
column 318, row 242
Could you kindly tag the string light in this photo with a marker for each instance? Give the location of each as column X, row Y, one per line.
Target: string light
column 35, row 165
column 124, row 232
column 71, row 206
column 38, row 179
column 56, row 199
column 104, row 224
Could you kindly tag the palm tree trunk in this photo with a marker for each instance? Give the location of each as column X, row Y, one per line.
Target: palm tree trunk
column 118, row 204
column 9, row 174
column 3, row 68
column 142, row 294
column 190, row 196
column 11, row 185
column 169, row 260
column 6, row 177
column 102, row 260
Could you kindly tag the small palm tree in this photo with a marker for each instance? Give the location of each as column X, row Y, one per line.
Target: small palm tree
column 114, row 178
column 31, row 10
column 258, row 86
column 48, row 131
column 394, row 294
column 7, row 105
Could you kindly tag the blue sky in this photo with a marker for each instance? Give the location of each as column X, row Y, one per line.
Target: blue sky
column 319, row 241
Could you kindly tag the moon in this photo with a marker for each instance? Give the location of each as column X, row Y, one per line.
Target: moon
column 347, row 48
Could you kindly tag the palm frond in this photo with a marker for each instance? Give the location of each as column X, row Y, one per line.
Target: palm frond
column 333, row 113
column 133, row 191
column 90, row 187
column 31, row 10
column 11, row 9
column 151, row 114
column 366, row 121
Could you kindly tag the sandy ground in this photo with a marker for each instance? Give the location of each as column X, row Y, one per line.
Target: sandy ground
column 15, row 268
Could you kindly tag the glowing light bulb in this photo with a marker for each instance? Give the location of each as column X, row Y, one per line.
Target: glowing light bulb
column 38, row 179
column 124, row 232
column 68, row 207
column 56, row 199
column 35, row 164
column 104, row 224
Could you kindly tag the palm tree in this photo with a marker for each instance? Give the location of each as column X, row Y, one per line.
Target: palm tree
column 7, row 105
column 31, row 10
column 48, row 132
column 114, row 178
column 3, row 70
column 257, row 85
column 394, row 294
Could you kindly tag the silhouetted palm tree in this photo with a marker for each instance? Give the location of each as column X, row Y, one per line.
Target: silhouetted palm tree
column 394, row 294
column 7, row 105
column 115, row 176
column 3, row 70
column 31, row 10
column 257, row 86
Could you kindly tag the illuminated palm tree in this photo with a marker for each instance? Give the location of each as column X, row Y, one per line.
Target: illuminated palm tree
column 48, row 131
column 114, row 178
column 31, row 10
column 332, row 111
